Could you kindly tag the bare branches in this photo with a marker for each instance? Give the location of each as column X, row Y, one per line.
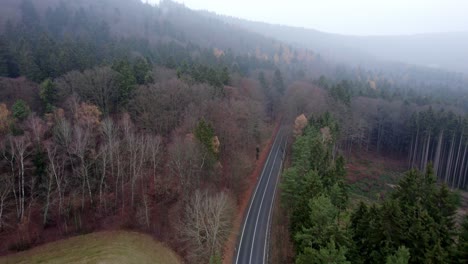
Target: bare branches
column 185, row 162
column 6, row 184
column 97, row 85
column 206, row 224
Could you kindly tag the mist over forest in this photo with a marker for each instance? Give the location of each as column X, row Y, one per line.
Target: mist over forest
column 159, row 119
column 444, row 51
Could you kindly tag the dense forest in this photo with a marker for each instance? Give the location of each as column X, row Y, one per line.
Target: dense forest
column 120, row 114
column 100, row 130
column 415, row 224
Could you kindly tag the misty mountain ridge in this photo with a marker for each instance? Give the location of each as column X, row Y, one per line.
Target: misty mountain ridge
column 445, row 50
column 170, row 21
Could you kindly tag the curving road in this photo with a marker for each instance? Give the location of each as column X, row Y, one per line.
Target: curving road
column 253, row 243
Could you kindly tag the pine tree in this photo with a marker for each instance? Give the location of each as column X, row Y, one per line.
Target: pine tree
column 462, row 247
column 327, row 254
column 278, row 82
column 126, row 81
column 141, row 68
column 48, row 95
column 391, row 227
column 320, row 226
column 204, row 132
column 401, row 256
column 29, row 15
column 297, row 190
column 20, row 110
column 224, row 76
column 3, row 58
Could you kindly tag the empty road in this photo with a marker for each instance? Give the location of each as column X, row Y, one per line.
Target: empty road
column 253, row 243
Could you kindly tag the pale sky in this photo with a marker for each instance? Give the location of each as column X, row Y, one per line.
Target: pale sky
column 352, row 17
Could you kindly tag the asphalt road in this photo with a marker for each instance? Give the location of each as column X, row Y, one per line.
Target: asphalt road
column 254, row 237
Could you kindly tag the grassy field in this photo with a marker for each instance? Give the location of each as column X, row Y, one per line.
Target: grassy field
column 102, row 247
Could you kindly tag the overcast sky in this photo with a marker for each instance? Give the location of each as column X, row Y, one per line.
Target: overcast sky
column 356, row 17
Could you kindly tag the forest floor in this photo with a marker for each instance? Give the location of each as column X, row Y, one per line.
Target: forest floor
column 371, row 176
column 463, row 209
column 101, row 247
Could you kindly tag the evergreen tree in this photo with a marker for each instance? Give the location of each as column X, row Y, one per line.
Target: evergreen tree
column 126, row 81
column 28, row 66
column 327, row 254
column 278, row 82
column 3, row 58
column 204, row 132
column 462, row 247
column 48, row 95
column 401, row 256
column 224, row 76
column 297, row 190
column 29, row 15
column 321, row 224
column 361, row 230
column 20, row 110
column 141, row 69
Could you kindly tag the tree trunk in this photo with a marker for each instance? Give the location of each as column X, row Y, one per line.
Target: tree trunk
column 448, row 170
column 426, row 156
column 460, row 175
column 415, row 151
column 457, row 160
column 437, row 155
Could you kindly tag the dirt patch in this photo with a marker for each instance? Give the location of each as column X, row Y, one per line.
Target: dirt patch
column 372, row 176
column 462, row 211
column 245, row 199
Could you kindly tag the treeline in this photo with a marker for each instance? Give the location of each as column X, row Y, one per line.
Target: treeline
column 396, row 126
column 415, row 224
column 428, row 133
column 419, row 85
column 440, row 137
column 202, row 73
column 314, row 191
column 65, row 39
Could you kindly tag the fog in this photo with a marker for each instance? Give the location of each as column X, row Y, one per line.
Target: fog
column 358, row 17
column 432, row 33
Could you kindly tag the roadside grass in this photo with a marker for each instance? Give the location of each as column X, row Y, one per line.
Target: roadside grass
column 101, row 247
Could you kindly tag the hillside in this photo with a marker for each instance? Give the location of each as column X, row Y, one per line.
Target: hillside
column 166, row 22
column 446, row 51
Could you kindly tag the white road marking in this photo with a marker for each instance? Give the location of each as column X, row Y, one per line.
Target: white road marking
column 272, row 202
column 255, row 192
column 263, row 198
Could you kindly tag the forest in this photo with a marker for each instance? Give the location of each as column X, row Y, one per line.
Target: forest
column 414, row 224
column 125, row 115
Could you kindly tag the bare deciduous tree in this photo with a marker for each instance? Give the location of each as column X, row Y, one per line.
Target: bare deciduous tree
column 6, row 183
column 56, row 173
column 186, row 161
column 81, row 143
column 155, row 148
column 206, row 224
column 97, row 85
column 16, row 153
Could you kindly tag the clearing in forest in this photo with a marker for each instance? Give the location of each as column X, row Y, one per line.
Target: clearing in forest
column 371, row 177
column 101, row 247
